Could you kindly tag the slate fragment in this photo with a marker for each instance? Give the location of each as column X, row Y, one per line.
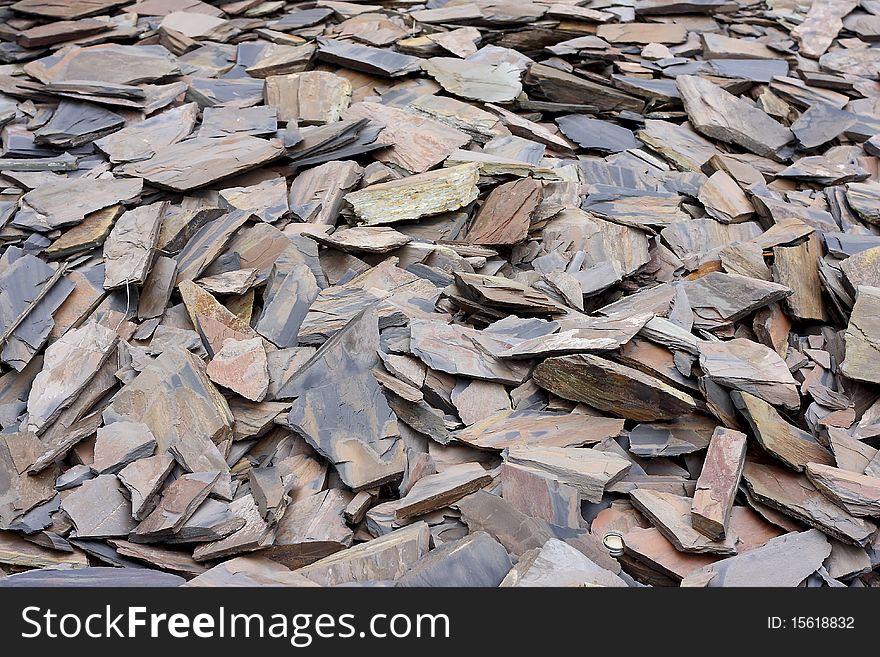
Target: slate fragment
column 561, row 87
column 74, row 124
column 195, row 417
column 194, row 163
column 719, row 299
column 671, row 515
column 179, row 501
column 16, row 551
column 364, row 58
column 415, row 196
column 821, row 25
column 93, row 576
column 723, row 199
column 541, row 495
column 587, row 470
column 67, row 201
column 720, row 115
column 559, row 564
column 98, row 509
column 849, row 453
column 69, row 365
column 385, row 558
column 718, row 483
column 249, row 570
column 253, row 534
column 200, row 248
column 863, row 337
column 312, row 97
column 157, row 289
column 795, row 496
column 212, row 321
column 596, row 135
column 793, row 446
column 475, row 560
column 858, row 494
column 783, row 561
column 340, row 410
column 416, row 142
column 226, row 121
column 242, row 366
column 611, row 387
column 106, row 64
column 130, row 246
column 440, row 490
column 119, row 444
column 752, row 368
column 506, row 215
column 143, row 479
column 311, row 529
column 484, row 81
column 461, row 350
column 796, row 268
column 527, row 427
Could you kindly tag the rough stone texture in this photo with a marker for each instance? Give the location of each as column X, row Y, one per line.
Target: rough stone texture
column 506, row 215
column 485, row 81
column 784, row 561
column 98, row 509
column 671, row 514
column 214, row 323
column 417, row 196
column 69, row 365
column 129, row 249
column 241, row 366
column 249, row 571
column 311, row 529
column 184, row 411
column 341, row 411
column 499, row 431
column 121, row 443
column 198, row 162
column 791, row 445
column 475, row 560
column 314, row 97
column 611, row 387
column 385, row 558
column 795, row 496
column 405, row 295
column 587, row 470
column 144, row 479
column 863, row 337
column 66, row 202
column 858, row 494
column 720, row 115
column 718, row 482
column 541, row 495
column 559, row 564
column 179, row 501
column 442, row 489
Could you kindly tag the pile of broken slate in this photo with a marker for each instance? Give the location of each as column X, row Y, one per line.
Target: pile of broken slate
column 470, row 292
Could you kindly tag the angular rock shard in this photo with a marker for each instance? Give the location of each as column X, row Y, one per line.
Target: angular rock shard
column 858, row 494
column 341, row 411
column 718, row 483
column 415, row 196
column 614, row 388
column 795, row 496
column 720, row 115
column 587, row 470
column 671, row 514
column 69, row 365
